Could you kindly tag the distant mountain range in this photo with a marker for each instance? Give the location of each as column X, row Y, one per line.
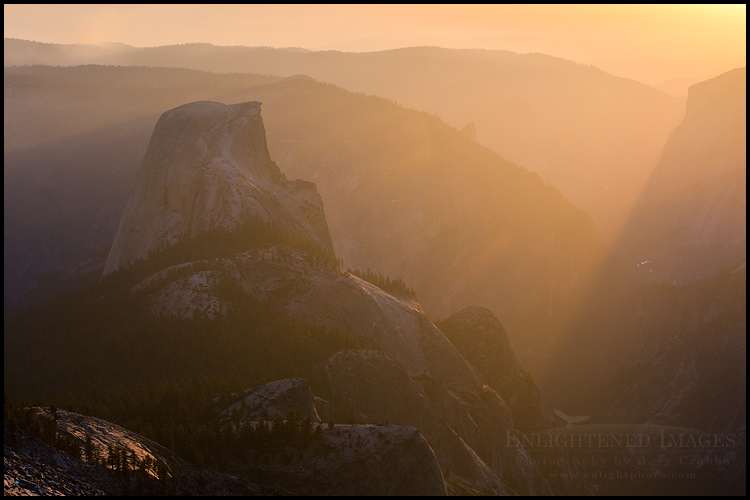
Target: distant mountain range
column 592, row 135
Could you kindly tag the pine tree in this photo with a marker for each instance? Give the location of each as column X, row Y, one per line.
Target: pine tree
column 88, row 449
column 123, row 459
column 74, row 447
column 111, row 458
column 134, row 460
column 49, row 430
column 305, row 428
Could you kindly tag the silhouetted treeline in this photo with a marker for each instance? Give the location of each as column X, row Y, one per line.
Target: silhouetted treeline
column 202, row 438
column 218, row 242
column 395, row 286
column 129, row 473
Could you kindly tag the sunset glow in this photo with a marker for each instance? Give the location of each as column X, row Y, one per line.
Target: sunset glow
column 375, row 250
column 651, row 43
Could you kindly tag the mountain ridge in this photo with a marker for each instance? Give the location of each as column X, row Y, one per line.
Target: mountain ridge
column 582, row 126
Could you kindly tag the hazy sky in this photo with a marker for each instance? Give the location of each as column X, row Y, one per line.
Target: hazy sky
column 651, row 43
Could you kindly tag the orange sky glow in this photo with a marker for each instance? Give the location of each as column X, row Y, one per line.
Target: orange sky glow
column 651, row 43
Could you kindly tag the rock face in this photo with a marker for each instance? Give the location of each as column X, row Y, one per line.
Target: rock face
column 207, row 166
column 48, row 474
column 105, row 434
column 481, row 339
column 33, row 467
column 275, row 398
column 684, row 365
column 345, row 460
column 413, row 376
column 691, row 220
column 321, row 295
column 352, row 460
column 65, row 154
column 465, row 429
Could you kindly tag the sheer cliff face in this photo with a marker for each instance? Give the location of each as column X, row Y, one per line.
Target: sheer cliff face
column 207, row 166
column 691, row 220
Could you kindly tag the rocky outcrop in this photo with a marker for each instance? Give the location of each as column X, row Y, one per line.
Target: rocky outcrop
column 480, row 338
column 37, row 469
column 105, row 435
column 341, row 459
column 369, row 386
column 319, row 294
column 466, row 420
column 207, row 166
column 275, row 398
column 34, row 467
column 350, row 460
